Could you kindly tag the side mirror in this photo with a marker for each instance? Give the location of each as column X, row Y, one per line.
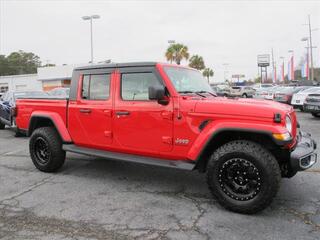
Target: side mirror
column 158, row 93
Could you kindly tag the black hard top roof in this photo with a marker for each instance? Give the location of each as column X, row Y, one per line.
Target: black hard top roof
column 117, row 65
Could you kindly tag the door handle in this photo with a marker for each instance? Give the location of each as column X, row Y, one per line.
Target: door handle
column 83, row 110
column 122, row 113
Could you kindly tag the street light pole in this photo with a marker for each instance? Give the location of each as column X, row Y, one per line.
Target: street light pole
column 310, row 45
column 91, row 34
column 311, row 55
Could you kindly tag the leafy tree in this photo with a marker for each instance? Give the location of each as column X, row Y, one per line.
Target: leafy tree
column 19, row 63
column 208, row 72
column 197, row 62
column 177, row 52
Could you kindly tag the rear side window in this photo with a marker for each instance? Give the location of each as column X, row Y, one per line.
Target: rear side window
column 135, row 86
column 96, row 87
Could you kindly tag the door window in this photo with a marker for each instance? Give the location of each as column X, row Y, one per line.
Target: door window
column 96, row 87
column 134, row 86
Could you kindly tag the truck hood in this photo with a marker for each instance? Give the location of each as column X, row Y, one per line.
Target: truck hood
column 257, row 108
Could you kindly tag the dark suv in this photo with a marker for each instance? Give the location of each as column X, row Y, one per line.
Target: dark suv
column 8, row 102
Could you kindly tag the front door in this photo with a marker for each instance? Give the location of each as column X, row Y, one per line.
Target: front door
column 90, row 116
column 141, row 125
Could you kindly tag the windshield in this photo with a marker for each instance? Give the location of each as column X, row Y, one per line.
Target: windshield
column 187, row 80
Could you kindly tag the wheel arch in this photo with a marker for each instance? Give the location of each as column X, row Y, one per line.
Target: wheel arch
column 226, row 135
column 38, row 120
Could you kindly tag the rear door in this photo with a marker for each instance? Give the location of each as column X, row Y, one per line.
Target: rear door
column 90, row 116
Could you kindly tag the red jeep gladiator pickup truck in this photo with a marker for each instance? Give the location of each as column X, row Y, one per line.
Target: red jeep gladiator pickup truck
column 167, row 115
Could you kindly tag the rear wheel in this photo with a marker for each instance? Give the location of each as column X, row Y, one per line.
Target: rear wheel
column 243, row 176
column 317, row 115
column 244, row 95
column 46, row 149
column 2, row 126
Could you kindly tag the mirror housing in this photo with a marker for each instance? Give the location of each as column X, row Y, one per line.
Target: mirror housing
column 158, row 93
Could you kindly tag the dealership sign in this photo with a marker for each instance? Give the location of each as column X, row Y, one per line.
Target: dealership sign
column 263, row 60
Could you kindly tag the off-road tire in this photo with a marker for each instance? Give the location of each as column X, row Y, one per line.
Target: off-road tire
column 317, row 115
column 55, row 158
column 266, row 165
column 2, row 126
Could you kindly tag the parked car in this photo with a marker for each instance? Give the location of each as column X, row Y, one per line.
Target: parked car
column 222, row 92
column 312, row 104
column 241, row 91
column 59, row 92
column 266, row 93
column 166, row 115
column 284, row 94
column 262, row 85
column 299, row 97
column 8, row 103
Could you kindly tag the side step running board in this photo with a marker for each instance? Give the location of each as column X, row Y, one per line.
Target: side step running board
column 180, row 164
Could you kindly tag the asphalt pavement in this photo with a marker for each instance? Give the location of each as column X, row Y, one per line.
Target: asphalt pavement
column 93, row 198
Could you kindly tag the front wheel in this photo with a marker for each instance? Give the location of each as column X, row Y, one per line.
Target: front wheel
column 2, row 126
column 317, row 115
column 243, row 176
column 45, row 148
column 244, row 95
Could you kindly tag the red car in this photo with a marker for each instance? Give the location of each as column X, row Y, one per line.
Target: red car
column 166, row 115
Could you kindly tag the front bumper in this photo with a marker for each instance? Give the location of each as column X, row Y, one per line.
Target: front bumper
column 304, row 156
column 312, row 108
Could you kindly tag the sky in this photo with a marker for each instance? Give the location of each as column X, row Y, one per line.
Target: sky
column 223, row 32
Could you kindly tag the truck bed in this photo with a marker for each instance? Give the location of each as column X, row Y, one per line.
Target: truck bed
column 27, row 107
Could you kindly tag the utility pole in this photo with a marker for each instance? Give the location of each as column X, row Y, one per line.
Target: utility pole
column 311, row 47
column 311, row 55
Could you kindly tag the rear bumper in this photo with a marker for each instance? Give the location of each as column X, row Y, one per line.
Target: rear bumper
column 304, row 156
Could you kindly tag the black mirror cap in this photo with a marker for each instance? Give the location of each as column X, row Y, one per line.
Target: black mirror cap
column 158, row 93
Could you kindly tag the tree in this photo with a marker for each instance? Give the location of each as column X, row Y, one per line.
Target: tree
column 177, row 52
column 19, row 63
column 208, row 72
column 197, row 62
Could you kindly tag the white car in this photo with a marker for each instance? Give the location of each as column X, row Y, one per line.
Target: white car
column 299, row 98
column 266, row 93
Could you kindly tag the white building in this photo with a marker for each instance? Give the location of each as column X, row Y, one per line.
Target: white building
column 24, row 82
column 46, row 79
column 57, row 76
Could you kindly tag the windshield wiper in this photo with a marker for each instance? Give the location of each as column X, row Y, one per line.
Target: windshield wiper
column 207, row 92
column 186, row 92
column 197, row 93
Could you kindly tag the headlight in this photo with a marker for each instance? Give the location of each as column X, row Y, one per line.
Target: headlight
column 289, row 124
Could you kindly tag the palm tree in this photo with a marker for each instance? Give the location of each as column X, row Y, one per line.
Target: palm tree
column 177, row 52
column 208, row 72
column 197, row 62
